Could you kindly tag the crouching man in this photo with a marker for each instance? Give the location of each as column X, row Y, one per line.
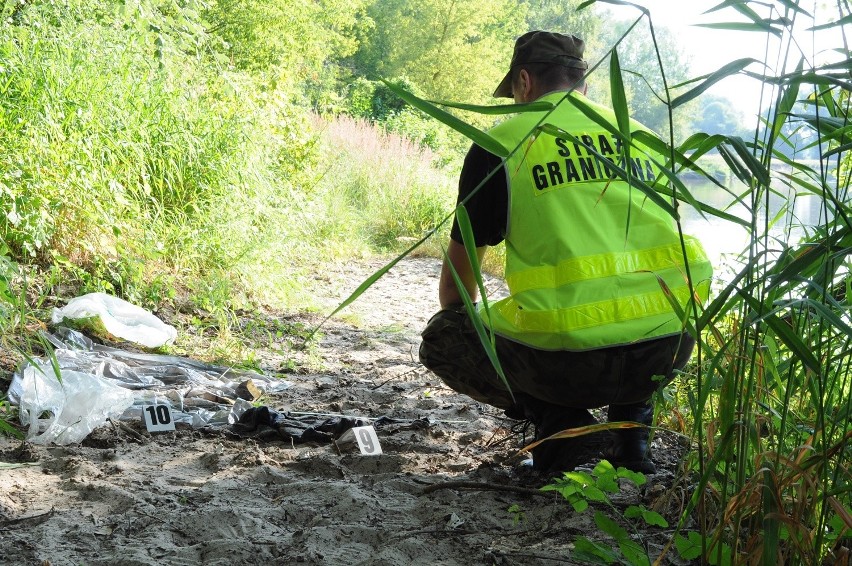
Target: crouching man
column 587, row 323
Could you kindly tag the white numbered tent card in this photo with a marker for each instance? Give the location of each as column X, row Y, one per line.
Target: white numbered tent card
column 367, row 440
column 158, row 418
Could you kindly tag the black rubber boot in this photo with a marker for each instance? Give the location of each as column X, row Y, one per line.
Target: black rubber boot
column 629, row 447
column 564, row 454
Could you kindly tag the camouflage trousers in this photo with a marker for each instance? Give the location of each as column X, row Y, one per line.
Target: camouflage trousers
column 619, row 375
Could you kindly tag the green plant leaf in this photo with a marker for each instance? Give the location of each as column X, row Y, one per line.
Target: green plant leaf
column 743, row 162
column 498, row 109
column 838, row 149
column 476, row 135
column 809, row 257
column 688, row 547
column 579, row 504
column 744, row 9
column 839, row 23
column 619, row 98
column 794, row 6
column 634, row 553
column 743, row 26
column 638, row 478
column 608, row 483
column 610, row 527
column 593, row 552
column 485, row 337
column 654, row 518
column 643, row 9
column 604, row 468
column 10, row 430
column 784, row 332
column 650, row 517
column 826, row 314
column 789, row 96
column 469, row 241
column 592, row 493
column 731, row 68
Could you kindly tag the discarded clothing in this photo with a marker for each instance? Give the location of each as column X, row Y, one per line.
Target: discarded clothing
column 263, row 423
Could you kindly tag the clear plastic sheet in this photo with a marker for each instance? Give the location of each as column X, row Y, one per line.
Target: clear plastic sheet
column 100, row 382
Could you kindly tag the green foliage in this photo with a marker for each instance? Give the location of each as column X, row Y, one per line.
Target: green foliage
column 563, row 17
column 582, row 489
column 517, row 514
column 719, row 117
column 643, row 78
column 132, row 163
column 376, row 102
column 292, row 37
column 8, row 297
column 385, row 188
column 452, row 51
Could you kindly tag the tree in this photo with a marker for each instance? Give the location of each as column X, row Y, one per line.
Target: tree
column 717, row 115
column 297, row 37
column 563, row 17
column 452, row 50
column 643, row 80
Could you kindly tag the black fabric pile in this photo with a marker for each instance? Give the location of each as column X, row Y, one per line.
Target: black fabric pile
column 263, row 423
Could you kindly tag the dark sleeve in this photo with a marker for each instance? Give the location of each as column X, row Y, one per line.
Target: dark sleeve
column 488, row 206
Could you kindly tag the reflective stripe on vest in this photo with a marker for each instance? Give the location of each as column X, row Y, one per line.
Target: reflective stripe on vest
column 602, row 265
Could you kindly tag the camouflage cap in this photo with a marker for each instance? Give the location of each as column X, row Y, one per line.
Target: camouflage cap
column 543, row 47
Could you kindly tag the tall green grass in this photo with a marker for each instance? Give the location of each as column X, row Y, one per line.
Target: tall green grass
column 392, row 189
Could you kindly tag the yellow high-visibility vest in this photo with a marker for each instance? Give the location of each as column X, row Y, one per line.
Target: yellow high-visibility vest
column 585, row 252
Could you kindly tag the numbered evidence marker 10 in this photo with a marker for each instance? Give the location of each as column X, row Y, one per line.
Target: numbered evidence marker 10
column 158, row 418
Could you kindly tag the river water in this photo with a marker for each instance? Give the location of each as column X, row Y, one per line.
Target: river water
column 724, row 240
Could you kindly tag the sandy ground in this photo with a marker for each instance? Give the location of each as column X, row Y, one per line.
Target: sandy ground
column 440, row 493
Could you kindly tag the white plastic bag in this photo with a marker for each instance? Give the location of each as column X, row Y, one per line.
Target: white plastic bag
column 120, row 318
column 66, row 412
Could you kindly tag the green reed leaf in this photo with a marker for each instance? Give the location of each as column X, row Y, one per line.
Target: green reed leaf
column 485, row 337
column 757, row 168
column 762, row 27
column 469, row 242
column 783, row 331
column 619, row 98
column 643, row 9
column 839, row 23
column 728, row 70
column 788, row 100
column 499, row 109
column 838, row 149
column 793, row 5
column 476, row 135
column 771, row 526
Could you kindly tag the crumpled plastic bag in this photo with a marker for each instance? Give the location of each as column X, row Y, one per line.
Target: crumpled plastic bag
column 66, row 412
column 119, row 318
column 199, row 394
